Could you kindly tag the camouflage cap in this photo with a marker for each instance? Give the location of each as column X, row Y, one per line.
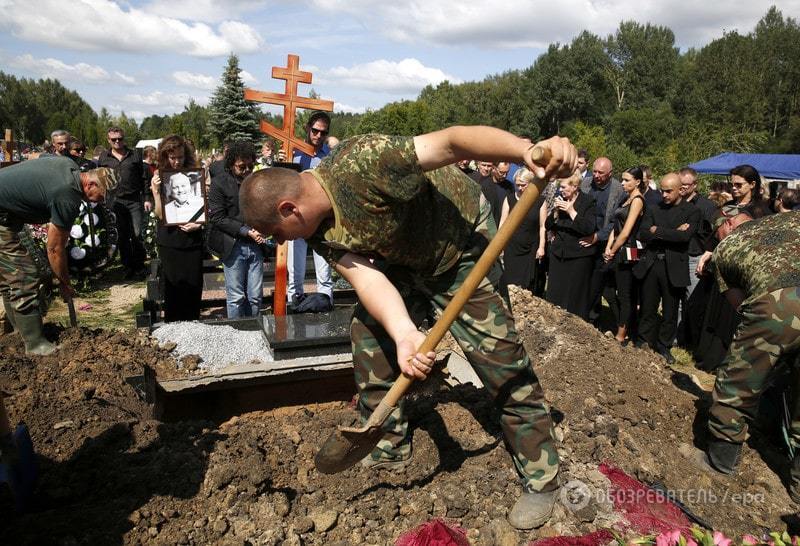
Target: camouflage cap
column 107, row 178
column 719, row 220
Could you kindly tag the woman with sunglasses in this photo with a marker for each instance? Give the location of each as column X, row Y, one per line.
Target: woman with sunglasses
column 747, row 197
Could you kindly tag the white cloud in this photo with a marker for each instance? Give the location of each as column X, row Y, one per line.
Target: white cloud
column 79, row 72
column 347, row 109
column 209, row 11
column 192, row 79
column 104, row 25
column 158, row 101
column 522, row 23
column 404, row 77
column 247, row 77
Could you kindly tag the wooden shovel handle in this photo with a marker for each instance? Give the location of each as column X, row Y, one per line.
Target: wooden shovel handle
column 540, row 156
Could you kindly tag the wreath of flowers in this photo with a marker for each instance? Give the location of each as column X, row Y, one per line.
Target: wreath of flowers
column 92, row 239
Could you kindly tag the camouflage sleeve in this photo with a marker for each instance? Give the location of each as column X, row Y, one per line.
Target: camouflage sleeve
column 388, row 164
column 328, row 253
column 722, row 268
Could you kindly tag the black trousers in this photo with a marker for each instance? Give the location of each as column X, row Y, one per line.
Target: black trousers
column 601, row 285
column 625, row 309
column 568, row 284
column 182, row 274
column 656, row 289
column 129, row 220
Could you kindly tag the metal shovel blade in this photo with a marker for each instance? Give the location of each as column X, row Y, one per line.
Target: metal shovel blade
column 345, row 447
column 348, row 445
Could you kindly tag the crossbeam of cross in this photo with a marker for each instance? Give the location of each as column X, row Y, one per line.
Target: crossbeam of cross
column 290, row 101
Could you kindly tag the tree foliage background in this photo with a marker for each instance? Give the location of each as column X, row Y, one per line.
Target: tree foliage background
column 632, row 96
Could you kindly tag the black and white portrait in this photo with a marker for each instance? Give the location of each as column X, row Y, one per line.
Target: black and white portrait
column 183, row 197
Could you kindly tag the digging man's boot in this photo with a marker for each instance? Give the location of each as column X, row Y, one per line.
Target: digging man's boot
column 533, row 509
column 10, row 326
column 30, row 328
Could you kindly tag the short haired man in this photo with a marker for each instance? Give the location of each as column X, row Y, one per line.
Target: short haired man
column 185, row 204
column 50, row 189
column 128, row 206
column 583, row 165
column 666, row 231
column 652, row 197
column 238, row 245
column 607, row 192
column 758, row 270
column 708, row 213
column 317, row 130
column 59, row 142
column 404, row 227
column 490, row 179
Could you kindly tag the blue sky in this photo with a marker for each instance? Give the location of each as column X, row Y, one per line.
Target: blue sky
column 152, row 56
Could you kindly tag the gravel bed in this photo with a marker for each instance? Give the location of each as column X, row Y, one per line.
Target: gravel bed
column 218, row 346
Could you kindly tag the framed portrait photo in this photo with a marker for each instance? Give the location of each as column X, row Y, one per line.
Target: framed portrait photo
column 183, row 196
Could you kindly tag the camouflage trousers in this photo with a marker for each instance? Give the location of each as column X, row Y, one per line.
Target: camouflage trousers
column 19, row 276
column 486, row 333
column 769, row 331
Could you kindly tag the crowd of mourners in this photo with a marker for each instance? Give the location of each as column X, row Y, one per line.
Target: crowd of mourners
column 642, row 246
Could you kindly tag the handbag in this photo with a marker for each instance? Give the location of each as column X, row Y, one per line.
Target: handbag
column 632, row 253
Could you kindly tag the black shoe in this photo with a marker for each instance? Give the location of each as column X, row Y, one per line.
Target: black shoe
column 665, row 352
column 724, row 456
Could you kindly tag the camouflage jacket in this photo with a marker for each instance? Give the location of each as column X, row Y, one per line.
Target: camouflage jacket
column 385, row 206
column 760, row 256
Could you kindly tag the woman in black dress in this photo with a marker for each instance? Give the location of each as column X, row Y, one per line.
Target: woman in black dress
column 180, row 248
column 518, row 257
column 622, row 249
column 571, row 264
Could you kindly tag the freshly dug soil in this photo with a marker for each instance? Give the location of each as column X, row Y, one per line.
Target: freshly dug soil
column 109, row 475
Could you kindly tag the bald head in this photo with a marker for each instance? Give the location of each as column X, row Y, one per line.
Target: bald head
column 601, row 171
column 262, row 191
column 670, row 188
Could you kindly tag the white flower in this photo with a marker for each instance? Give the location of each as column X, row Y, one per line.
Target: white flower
column 76, row 232
column 77, row 253
column 95, row 219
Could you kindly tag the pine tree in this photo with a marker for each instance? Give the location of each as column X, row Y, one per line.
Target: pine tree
column 231, row 117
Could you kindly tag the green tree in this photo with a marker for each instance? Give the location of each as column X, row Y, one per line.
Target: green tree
column 230, row 116
column 643, row 64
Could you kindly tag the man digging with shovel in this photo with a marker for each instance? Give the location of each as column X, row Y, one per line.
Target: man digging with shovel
column 405, row 227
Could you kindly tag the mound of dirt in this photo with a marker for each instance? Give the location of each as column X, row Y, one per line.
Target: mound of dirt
column 111, row 476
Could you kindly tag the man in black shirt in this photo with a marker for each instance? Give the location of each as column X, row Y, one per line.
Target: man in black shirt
column 607, row 192
column 129, row 206
column 666, row 231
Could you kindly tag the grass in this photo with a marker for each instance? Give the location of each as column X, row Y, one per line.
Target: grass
column 104, row 313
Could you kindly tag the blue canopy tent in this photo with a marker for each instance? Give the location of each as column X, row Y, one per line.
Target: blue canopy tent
column 771, row 166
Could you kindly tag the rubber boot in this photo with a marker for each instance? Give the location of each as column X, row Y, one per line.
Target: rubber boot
column 9, row 320
column 30, row 328
column 724, row 456
column 794, row 479
column 532, row 509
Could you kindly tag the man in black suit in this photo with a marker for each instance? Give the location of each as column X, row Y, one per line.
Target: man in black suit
column 664, row 269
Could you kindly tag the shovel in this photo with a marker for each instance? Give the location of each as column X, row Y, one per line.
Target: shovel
column 348, row 445
column 73, row 316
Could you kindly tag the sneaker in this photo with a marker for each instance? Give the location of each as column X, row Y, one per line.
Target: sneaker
column 533, row 509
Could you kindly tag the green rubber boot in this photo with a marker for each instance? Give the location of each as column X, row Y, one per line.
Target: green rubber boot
column 30, row 328
column 10, row 325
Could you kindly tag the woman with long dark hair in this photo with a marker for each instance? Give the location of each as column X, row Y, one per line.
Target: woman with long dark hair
column 747, row 197
column 180, row 248
column 622, row 249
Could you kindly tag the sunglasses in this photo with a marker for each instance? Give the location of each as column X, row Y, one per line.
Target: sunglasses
column 119, row 139
column 322, row 132
column 739, row 184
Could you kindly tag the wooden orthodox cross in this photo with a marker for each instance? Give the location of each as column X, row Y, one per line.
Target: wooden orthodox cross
column 290, row 101
column 8, row 148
